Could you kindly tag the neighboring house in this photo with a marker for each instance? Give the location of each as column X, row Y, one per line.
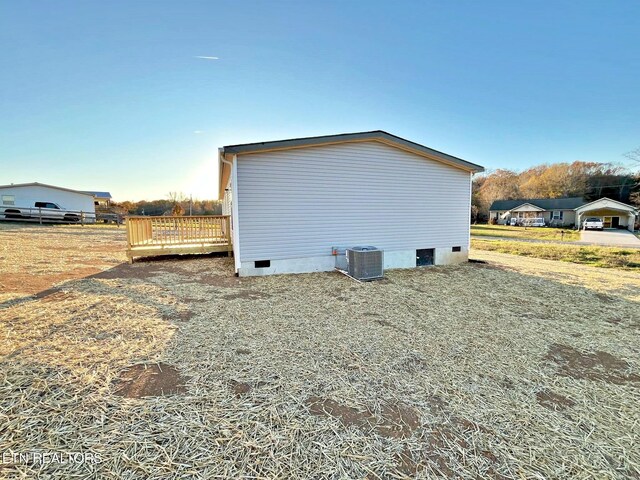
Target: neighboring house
column 569, row 211
column 292, row 201
column 101, row 199
column 25, row 195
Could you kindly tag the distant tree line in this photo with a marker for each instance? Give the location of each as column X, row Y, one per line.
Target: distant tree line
column 176, row 203
column 590, row 180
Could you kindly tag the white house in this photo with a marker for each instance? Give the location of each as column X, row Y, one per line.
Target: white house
column 567, row 211
column 292, row 201
column 25, row 195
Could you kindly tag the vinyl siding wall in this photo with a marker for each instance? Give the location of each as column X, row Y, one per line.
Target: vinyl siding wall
column 299, row 203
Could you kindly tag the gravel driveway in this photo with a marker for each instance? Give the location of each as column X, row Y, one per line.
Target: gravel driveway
column 618, row 238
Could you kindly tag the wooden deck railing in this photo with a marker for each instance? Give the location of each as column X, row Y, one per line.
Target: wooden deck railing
column 167, row 235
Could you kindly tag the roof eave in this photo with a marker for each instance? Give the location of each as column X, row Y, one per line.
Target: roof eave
column 528, row 203
column 37, row 184
column 611, row 200
column 377, row 135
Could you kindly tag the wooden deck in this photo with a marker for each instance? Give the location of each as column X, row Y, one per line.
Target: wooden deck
column 152, row 236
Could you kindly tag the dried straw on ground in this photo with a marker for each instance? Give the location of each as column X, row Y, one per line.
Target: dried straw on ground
column 516, row 369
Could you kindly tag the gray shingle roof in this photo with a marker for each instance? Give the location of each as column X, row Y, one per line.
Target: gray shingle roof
column 346, row 137
column 566, row 203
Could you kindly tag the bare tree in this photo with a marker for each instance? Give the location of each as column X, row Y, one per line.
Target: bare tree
column 177, row 197
column 634, row 156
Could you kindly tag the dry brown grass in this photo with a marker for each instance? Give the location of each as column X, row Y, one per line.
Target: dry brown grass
column 597, row 256
column 519, row 368
column 33, row 257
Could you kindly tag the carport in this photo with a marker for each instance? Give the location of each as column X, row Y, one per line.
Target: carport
column 614, row 214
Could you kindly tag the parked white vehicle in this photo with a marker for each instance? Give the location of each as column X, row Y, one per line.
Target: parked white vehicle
column 534, row 222
column 42, row 210
column 593, row 223
column 528, row 222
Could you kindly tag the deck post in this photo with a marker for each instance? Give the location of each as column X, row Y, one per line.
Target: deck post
column 227, row 227
column 128, row 231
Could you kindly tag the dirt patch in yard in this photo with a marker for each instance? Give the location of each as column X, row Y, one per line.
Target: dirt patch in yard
column 446, row 444
column 553, row 401
column 348, row 416
column 242, row 388
column 590, row 366
column 396, row 420
column 406, row 463
column 29, row 284
column 150, row 380
column 239, row 388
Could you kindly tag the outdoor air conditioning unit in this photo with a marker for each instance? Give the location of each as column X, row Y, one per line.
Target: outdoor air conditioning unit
column 365, row 263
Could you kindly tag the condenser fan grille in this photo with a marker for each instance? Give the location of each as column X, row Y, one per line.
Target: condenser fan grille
column 365, row 263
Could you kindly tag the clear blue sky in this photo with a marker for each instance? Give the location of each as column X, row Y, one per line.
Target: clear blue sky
column 109, row 95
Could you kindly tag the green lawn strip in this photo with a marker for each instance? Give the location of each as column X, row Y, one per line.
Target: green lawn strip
column 536, row 233
column 607, row 257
